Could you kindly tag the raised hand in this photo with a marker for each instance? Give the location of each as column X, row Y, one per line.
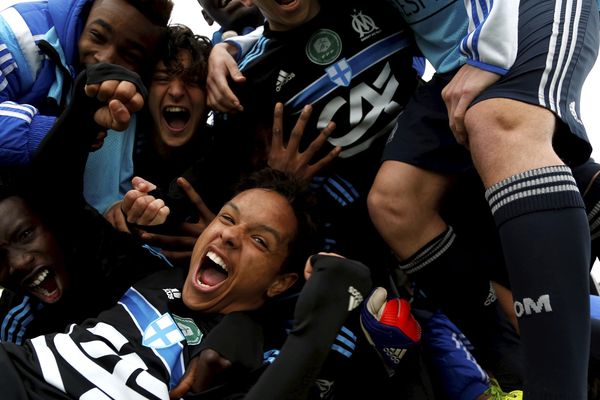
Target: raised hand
column 287, row 157
column 458, row 94
column 122, row 98
column 221, row 66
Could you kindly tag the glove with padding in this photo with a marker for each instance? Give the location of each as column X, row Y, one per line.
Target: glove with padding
column 390, row 327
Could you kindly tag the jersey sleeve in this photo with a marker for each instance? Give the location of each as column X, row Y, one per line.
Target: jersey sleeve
column 244, row 43
column 22, row 129
column 492, row 40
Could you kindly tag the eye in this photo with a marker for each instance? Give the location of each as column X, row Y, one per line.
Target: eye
column 160, row 78
column 260, row 241
column 97, row 37
column 227, row 219
column 133, row 59
column 26, row 234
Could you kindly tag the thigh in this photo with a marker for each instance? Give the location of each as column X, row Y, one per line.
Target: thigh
column 422, row 136
column 558, row 45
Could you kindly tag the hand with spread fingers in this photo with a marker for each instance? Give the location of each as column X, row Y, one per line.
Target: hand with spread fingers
column 288, row 158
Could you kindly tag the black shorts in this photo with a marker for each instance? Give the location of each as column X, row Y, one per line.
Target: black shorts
column 552, row 63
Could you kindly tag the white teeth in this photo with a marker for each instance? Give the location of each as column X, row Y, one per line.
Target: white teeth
column 39, row 278
column 175, row 109
column 217, row 260
column 44, row 291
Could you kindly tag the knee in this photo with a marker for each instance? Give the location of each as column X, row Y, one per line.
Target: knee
column 385, row 200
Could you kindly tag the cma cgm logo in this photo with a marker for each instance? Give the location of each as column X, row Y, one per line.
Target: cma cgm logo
column 530, row 306
column 379, row 96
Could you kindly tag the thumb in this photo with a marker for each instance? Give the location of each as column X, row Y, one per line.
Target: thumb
column 377, row 301
column 185, row 384
column 142, row 185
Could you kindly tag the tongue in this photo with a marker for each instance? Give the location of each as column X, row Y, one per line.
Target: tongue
column 177, row 121
column 212, row 276
column 49, row 283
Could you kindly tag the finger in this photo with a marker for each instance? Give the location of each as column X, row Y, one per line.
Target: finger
column 193, row 230
column 277, row 140
column 135, row 103
column 298, row 131
column 99, row 141
column 177, row 256
column 308, row 268
column 323, row 162
column 119, row 221
column 125, row 91
column 120, row 115
column 91, row 89
column 195, row 198
column 169, row 241
column 316, row 144
column 106, row 90
column 129, row 199
column 136, row 212
column 142, row 185
column 185, row 384
column 161, row 216
column 151, row 212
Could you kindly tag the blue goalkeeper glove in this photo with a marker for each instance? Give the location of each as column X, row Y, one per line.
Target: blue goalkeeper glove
column 390, row 327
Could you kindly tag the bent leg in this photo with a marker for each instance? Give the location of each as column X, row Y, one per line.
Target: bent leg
column 404, row 205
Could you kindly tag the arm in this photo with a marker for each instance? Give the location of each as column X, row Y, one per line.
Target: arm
column 335, row 287
column 491, row 49
column 223, row 65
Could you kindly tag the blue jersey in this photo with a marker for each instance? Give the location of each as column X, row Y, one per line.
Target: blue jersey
column 451, row 32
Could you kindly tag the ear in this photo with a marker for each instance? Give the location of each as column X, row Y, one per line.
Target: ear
column 282, row 283
column 208, row 18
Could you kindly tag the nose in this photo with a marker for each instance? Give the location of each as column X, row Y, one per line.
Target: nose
column 176, row 88
column 20, row 260
column 107, row 54
column 232, row 236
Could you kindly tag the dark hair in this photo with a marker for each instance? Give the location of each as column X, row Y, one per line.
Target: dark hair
column 301, row 200
column 157, row 11
column 180, row 37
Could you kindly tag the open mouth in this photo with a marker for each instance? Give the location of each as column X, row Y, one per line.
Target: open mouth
column 176, row 117
column 44, row 285
column 213, row 271
column 284, row 2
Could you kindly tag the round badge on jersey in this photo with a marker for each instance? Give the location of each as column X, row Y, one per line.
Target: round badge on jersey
column 324, row 47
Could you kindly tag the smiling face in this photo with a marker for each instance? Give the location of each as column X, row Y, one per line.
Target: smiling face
column 236, row 262
column 176, row 103
column 284, row 15
column 117, row 33
column 31, row 259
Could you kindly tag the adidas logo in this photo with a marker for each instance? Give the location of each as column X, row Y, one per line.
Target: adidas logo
column 355, row 298
column 394, row 354
column 491, row 296
column 573, row 111
column 283, row 78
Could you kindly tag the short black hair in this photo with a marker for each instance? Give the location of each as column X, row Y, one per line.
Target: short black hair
column 157, row 11
column 180, row 37
column 302, row 201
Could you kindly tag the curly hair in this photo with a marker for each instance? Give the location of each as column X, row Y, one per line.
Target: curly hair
column 180, row 37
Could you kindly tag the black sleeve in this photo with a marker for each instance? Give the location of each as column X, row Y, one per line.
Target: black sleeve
column 61, row 157
column 335, row 288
